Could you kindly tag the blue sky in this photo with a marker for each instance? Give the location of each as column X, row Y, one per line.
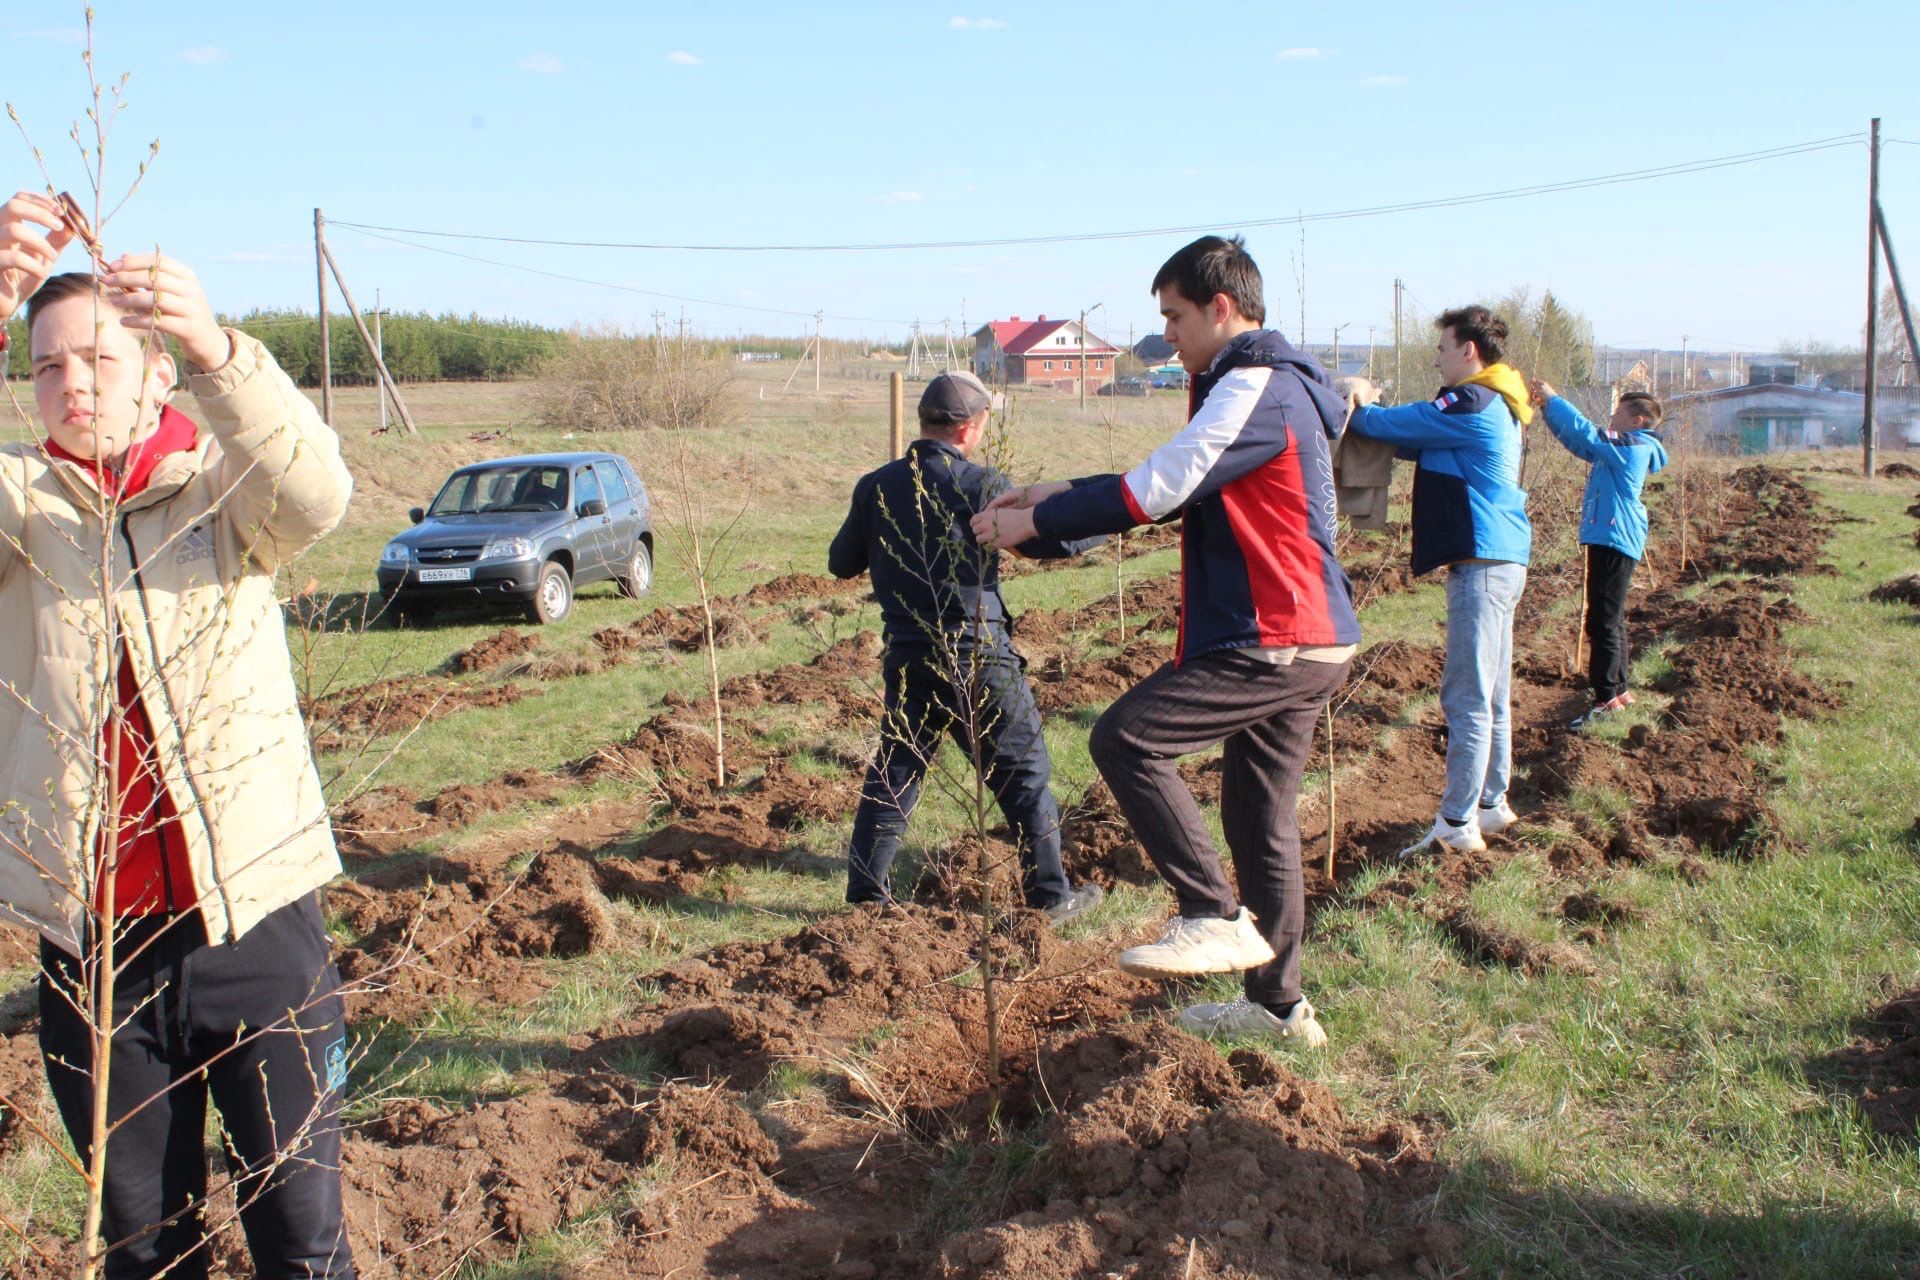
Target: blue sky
column 759, row 123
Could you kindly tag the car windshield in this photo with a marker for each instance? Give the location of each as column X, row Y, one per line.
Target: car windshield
column 509, row 488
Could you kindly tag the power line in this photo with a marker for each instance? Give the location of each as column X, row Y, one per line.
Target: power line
column 1372, row 211
column 602, row 284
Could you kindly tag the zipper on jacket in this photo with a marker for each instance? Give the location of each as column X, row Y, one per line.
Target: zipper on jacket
column 173, row 715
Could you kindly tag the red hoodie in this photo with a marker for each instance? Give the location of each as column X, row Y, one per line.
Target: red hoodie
column 153, row 875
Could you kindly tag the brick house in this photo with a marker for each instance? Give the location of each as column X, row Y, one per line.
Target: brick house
column 1041, row 353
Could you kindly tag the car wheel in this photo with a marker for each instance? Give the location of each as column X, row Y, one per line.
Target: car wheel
column 638, row 578
column 553, row 596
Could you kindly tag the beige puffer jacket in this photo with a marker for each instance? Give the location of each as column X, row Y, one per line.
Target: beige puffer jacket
column 192, row 565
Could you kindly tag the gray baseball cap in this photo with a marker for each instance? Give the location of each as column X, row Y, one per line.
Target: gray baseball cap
column 955, row 396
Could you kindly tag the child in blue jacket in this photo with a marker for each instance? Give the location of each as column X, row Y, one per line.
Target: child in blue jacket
column 1613, row 525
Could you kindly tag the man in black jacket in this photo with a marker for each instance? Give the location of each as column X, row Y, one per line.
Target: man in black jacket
column 950, row 667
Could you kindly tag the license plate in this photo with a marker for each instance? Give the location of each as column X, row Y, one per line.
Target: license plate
column 445, row 575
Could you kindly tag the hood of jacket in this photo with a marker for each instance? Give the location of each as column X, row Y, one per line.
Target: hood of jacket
column 1506, row 379
column 1267, row 347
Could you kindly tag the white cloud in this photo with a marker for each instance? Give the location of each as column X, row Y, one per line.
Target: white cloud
column 204, row 55
column 978, row 24
column 544, row 64
column 1294, row 55
column 1382, row 82
column 685, row 59
column 904, row 197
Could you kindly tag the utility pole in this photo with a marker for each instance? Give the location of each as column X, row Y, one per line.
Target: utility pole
column 819, row 353
column 1336, row 347
column 326, row 349
column 1899, row 294
column 1084, row 313
column 366, row 339
column 1369, row 353
column 1686, row 366
column 1083, row 357
column 380, row 350
column 1873, row 292
column 1300, row 278
column 1398, row 289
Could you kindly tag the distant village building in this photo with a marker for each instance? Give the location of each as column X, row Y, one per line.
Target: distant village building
column 1771, row 413
column 1153, row 349
column 1635, row 377
column 1041, row 353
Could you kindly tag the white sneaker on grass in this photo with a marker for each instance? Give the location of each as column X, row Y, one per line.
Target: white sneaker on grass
column 1497, row 819
column 1194, row 946
column 1464, row 838
column 1243, row 1017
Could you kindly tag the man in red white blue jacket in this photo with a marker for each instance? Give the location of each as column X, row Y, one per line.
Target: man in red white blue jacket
column 1267, row 633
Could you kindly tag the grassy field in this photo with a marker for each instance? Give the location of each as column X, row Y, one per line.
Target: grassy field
column 1671, row 1111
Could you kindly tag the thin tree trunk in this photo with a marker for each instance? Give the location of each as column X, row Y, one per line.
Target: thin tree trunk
column 989, row 989
column 1330, row 791
column 713, row 660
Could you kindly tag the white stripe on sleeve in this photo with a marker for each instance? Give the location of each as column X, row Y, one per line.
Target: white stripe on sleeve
column 1171, row 475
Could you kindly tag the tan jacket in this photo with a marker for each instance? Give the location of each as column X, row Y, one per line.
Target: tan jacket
column 192, row 564
column 1362, row 475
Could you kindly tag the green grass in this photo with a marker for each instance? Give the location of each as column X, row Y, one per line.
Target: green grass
column 1672, row 1116
column 1669, row 1116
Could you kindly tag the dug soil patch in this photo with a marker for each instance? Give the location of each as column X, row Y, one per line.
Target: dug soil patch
column 1881, row 1068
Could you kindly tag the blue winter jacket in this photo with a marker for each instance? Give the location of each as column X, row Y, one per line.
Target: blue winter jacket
column 1467, row 499
column 1612, row 514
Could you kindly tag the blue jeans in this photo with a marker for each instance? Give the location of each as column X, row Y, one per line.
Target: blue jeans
column 1477, row 688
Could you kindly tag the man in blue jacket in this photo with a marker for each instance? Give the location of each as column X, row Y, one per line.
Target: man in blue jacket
column 1267, row 633
column 1470, row 516
column 1613, row 525
column 950, row 668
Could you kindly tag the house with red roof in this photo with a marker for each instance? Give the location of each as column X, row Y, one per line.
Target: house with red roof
column 1041, row 353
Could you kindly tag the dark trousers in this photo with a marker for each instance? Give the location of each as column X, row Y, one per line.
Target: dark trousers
column 1609, row 574
column 1266, row 715
column 926, row 699
column 198, row 1021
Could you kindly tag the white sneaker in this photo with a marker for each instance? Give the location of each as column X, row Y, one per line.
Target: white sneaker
column 1464, row 838
column 1497, row 819
column 1243, row 1017
column 1191, row 947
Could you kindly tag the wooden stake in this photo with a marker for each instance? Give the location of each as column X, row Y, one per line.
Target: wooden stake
column 1580, row 636
column 896, row 416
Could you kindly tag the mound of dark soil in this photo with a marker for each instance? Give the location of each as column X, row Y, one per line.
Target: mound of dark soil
column 496, row 650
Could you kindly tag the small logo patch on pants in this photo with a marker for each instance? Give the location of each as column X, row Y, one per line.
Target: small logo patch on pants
column 337, row 1065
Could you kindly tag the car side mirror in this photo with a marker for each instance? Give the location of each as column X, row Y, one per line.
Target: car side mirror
column 417, row 514
column 592, row 507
